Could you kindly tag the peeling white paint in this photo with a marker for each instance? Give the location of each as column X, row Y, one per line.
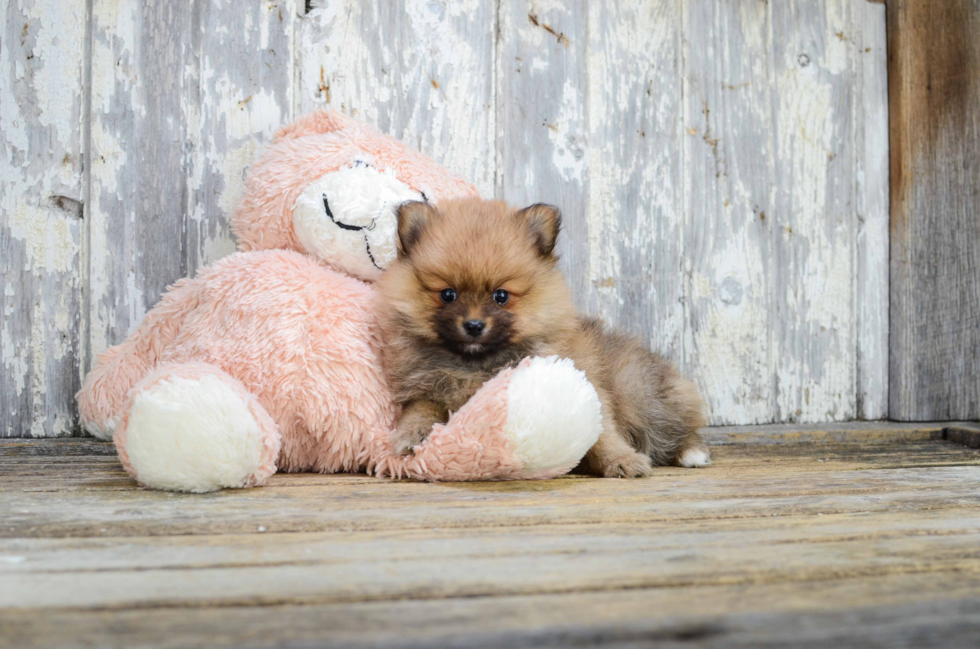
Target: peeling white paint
column 58, row 38
column 664, row 149
column 817, row 231
column 419, row 89
column 40, row 179
column 569, row 145
column 635, row 216
column 49, row 244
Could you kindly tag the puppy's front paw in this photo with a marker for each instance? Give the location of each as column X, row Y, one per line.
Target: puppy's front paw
column 408, row 435
column 634, row 465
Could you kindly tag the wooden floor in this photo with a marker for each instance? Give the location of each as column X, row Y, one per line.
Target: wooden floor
column 854, row 537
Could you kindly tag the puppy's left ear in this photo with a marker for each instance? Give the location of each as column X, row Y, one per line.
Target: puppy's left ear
column 543, row 223
column 413, row 216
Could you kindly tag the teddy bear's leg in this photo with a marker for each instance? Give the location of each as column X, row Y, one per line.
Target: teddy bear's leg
column 534, row 421
column 104, row 391
column 192, row 427
column 121, row 367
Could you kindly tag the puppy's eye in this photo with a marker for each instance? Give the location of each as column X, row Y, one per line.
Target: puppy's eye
column 448, row 295
column 500, row 296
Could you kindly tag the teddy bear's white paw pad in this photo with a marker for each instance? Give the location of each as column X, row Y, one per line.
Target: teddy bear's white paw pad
column 193, row 434
column 553, row 413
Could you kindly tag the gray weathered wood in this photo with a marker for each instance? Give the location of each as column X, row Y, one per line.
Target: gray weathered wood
column 664, row 130
column 813, row 219
column 965, row 434
column 471, row 564
column 423, row 72
column 932, row 610
column 934, row 92
column 41, row 229
column 865, row 432
column 871, row 175
column 243, row 74
column 851, row 543
column 752, row 482
column 635, row 208
column 728, row 194
column 138, row 177
column 543, row 121
column 182, row 95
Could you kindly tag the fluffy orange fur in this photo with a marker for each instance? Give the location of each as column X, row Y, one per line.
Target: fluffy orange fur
column 476, row 288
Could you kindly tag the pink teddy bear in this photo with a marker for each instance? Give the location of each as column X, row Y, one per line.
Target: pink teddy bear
column 268, row 360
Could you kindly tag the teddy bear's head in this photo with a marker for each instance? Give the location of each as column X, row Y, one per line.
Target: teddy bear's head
column 329, row 186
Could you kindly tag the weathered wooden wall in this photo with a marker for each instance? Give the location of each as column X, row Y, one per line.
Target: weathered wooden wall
column 722, row 167
column 934, row 57
column 42, row 234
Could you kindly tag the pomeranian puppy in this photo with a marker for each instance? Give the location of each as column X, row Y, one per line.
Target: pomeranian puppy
column 475, row 289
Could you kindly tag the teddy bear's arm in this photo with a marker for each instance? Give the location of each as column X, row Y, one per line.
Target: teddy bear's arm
column 533, row 421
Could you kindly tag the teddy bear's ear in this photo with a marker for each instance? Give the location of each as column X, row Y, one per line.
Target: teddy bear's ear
column 412, row 219
column 320, row 121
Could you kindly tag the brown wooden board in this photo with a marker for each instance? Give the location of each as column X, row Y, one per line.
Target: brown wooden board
column 934, row 91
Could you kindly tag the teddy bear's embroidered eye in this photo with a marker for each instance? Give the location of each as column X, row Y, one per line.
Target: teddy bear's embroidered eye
column 500, row 296
column 448, row 295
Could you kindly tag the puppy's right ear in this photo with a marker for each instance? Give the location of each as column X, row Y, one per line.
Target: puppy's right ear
column 412, row 219
column 543, row 223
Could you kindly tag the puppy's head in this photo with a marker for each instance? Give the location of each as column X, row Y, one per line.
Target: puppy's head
column 476, row 276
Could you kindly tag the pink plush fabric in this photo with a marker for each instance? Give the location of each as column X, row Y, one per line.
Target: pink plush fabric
column 471, row 446
column 297, row 334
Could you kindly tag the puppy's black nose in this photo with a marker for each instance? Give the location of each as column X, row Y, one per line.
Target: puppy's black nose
column 474, row 327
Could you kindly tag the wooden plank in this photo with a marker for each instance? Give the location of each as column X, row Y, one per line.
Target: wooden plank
column 420, row 71
column 105, row 512
column 935, row 267
column 138, row 175
column 41, row 208
column 635, row 206
column 831, row 534
column 813, row 220
column 45, row 467
column 62, row 448
column 493, row 564
column 837, row 611
column 772, row 480
column 855, row 431
column 42, row 477
column 243, row 76
column 543, row 123
column 31, row 556
column 967, row 435
column 182, row 94
column 871, row 174
column 728, row 188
